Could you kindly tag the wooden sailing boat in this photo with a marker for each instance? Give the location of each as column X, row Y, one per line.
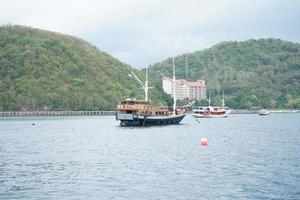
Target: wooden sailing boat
column 141, row 113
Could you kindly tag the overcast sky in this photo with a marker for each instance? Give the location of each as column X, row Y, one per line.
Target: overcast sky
column 139, row 32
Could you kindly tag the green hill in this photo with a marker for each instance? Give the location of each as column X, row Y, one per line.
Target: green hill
column 42, row 70
column 254, row 73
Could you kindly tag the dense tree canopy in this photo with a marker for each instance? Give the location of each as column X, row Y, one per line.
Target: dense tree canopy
column 254, row 73
column 42, row 70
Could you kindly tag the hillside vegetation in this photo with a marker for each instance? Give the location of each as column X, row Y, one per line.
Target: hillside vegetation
column 262, row 73
column 42, row 70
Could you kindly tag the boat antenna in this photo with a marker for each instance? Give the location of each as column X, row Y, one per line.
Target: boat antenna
column 174, row 88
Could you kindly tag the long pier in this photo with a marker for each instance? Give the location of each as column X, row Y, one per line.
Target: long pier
column 57, row 113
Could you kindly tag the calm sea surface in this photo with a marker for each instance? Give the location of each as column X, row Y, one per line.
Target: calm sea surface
column 248, row 157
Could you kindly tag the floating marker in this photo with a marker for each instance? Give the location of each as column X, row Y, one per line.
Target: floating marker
column 204, row 142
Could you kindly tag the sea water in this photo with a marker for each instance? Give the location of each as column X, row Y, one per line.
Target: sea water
column 247, row 157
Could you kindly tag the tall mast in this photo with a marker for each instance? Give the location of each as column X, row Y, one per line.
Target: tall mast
column 146, row 85
column 209, row 99
column 186, row 66
column 223, row 81
column 223, row 101
column 174, row 89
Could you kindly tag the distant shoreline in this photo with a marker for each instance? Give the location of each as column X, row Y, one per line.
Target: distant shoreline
column 109, row 113
column 241, row 111
column 57, row 113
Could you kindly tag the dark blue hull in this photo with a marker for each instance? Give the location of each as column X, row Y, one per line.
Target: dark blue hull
column 149, row 120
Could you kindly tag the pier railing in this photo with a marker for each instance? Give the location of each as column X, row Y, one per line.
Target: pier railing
column 56, row 113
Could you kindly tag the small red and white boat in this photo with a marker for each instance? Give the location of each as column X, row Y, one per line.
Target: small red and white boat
column 211, row 111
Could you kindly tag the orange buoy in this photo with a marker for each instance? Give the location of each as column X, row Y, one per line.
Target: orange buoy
column 204, row 142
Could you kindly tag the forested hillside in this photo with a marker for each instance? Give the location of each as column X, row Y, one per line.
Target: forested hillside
column 42, row 70
column 254, row 73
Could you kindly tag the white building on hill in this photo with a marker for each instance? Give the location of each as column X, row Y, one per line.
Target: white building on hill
column 185, row 89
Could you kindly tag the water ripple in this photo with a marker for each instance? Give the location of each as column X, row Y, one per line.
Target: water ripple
column 248, row 157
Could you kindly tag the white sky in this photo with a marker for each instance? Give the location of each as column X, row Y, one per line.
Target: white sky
column 135, row 30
